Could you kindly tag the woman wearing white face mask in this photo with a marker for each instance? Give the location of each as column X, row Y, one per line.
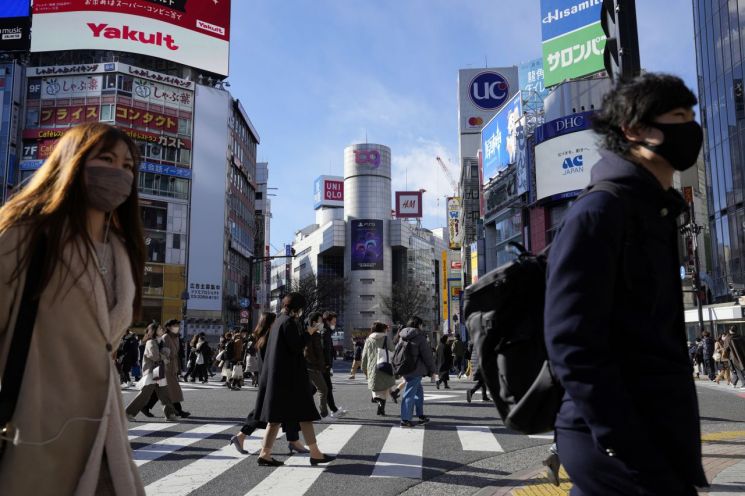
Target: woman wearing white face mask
column 314, row 357
column 72, row 259
column 173, row 344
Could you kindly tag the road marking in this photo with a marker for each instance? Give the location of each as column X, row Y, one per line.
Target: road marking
column 145, row 429
column 297, row 474
column 401, row 455
column 430, row 397
column 478, row 438
column 167, row 446
column 542, row 436
column 195, row 475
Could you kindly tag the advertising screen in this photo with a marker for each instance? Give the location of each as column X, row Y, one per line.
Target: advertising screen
column 573, row 40
column 191, row 32
column 499, row 143
column 14, row 25
column 474, row 263
column 532, row 84
column 562, row 165
column 408, row 204
column 367, row 244
column 328, row 191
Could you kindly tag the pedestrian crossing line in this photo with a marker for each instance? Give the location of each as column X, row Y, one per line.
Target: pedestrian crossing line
column 145, row 429
column 167, row 446
column 478, row 438
column 297, row 475
column 196, row 474
column 401, row 455
column 542, row 436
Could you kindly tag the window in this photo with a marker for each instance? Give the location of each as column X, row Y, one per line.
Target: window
column 154, row 218
column 109, row 83
column 107, row 112
column 184, row 127
column 259, row 195
column 32, row 118
column 176, row 241
column 184, row 156
column 155, row 243
column 125, row 83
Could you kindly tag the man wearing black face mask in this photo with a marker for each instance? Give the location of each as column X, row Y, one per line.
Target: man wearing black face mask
column 629, row 421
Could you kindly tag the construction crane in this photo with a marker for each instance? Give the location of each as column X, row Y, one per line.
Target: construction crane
column 449, row 176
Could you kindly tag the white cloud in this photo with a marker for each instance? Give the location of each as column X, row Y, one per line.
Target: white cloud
column 415, row 167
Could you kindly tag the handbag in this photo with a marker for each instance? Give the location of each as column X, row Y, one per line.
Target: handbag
column 237, row 371
column 717, row 356
column 384, row 363
column 19, row 346
column 219, row 356
column 159, row 371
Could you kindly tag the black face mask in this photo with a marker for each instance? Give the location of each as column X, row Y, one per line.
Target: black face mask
column 681, row 145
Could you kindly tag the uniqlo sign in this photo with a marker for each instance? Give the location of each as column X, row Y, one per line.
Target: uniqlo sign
column 329, row 191
column 191, row 32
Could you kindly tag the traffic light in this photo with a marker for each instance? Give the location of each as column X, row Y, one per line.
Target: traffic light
column 621, row 57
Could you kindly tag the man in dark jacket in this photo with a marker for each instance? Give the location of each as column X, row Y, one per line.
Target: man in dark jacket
column 708, row 352
column 127, row 355
column 329, row 325
column 425, row 366
column 629, row 422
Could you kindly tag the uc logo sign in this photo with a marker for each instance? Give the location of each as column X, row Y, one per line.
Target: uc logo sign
column 489, row 90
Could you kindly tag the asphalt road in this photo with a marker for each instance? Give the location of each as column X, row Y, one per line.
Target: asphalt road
column 465, row 447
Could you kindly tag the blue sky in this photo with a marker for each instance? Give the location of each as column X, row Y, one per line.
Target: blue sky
column 316, row 76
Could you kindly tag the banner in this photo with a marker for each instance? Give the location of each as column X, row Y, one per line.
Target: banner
column 70, row 87
column 147, row 91
column 190, row 32
column 367, row 244
column 454, row 227
column 573, row 39
column 562, row 165
column 532, row 84
column 68, row 116
column 146, row 119
column 328, row 191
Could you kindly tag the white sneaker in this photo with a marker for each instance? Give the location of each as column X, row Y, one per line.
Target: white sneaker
column 339, row 413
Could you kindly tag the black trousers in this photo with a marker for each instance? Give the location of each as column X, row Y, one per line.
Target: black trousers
column 154, row 400
column 330, row 395
column 594, row 473
column 479, row 384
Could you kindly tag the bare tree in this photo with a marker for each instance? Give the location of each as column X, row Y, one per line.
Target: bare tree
column 406, row 301
column 321, row 293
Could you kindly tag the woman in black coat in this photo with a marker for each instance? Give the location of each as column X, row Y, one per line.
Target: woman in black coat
column 284, row 387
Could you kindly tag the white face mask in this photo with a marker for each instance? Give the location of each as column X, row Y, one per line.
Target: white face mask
column 319, row 326
column 299, row 313
column 332, row 326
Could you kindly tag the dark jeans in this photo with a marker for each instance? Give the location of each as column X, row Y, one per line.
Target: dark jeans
column 200, row 372
column 126, row 368
column 710, row 367
column 460, row 365
column 479, row 385
column 330, row 394
column 154, row 400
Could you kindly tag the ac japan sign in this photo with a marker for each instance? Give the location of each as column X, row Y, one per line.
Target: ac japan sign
column 191, row 32
column 408, row 204
column 329, row 191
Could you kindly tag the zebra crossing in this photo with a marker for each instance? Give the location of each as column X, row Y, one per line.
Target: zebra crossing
column 198, row 456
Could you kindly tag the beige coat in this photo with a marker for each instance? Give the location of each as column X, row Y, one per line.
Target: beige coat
column 70, row 398
column 173, row 367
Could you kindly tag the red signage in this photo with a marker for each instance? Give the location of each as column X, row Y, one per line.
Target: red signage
column 171, row 141
column 408, row 204
column 146, row 119
column 333, row 190
column 62, row 116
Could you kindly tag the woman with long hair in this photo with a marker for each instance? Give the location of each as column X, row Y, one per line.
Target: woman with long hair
column 284, row 388
column 378, row 349
column 154, row 382
column 79, row 218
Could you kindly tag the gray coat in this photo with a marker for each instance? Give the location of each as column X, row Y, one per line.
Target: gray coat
column 425, row 364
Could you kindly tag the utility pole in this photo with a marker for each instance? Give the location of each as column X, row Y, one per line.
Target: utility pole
column 692, row 230
column 618, row 18
column 251, row 262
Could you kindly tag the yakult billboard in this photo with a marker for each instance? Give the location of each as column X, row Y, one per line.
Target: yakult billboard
column 191, row 32
column 328, row 191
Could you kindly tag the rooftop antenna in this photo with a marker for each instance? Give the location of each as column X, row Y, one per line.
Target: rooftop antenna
column 486, row 62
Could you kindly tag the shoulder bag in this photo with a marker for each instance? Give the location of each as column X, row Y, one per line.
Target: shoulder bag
column 19, row 346
column 384, row 363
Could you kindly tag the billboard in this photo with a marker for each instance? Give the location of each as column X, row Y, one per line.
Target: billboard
column 15, row 25
column 444, row 290
column 532, row 84
column 499, row 139
column 408, row 204
column 566, row 149
column 573, row 39
column 481, row 93
column 454, row 225
column 206, row 251
column 328, row 191
column 474, row 263
column 190, row 32
column 367, row 244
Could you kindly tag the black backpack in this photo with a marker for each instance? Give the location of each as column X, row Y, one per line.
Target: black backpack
column 504, row 316
column 405, row 357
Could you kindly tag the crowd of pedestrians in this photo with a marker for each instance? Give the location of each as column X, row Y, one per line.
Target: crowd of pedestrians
column 721, row 359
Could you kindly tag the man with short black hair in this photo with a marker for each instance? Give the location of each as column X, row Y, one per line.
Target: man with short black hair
column 329, row 326
column 629, row 422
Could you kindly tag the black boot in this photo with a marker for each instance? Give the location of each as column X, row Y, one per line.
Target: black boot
column 381, row 406
column 394, row 394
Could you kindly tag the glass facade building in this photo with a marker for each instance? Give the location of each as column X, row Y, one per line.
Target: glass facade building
column 720, row 49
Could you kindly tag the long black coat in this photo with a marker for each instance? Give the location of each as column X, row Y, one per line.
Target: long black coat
column 284, row 387
column 605, row 291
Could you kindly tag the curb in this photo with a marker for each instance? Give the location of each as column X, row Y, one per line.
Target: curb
column 722, row 460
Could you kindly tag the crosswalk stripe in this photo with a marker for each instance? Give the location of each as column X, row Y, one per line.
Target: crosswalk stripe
column 478, row 438
column 401, row 455
column 297, row 475
column 169, row 445
column 202, row 471
column 542, row 436
column 145, row 429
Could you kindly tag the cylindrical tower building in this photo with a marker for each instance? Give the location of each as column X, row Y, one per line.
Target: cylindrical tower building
column 367, row 210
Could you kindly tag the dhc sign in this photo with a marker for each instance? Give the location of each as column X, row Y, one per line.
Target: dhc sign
column 489, row 90
column 565, row 125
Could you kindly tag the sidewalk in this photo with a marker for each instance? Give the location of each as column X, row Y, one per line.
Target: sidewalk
column 724, row 463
